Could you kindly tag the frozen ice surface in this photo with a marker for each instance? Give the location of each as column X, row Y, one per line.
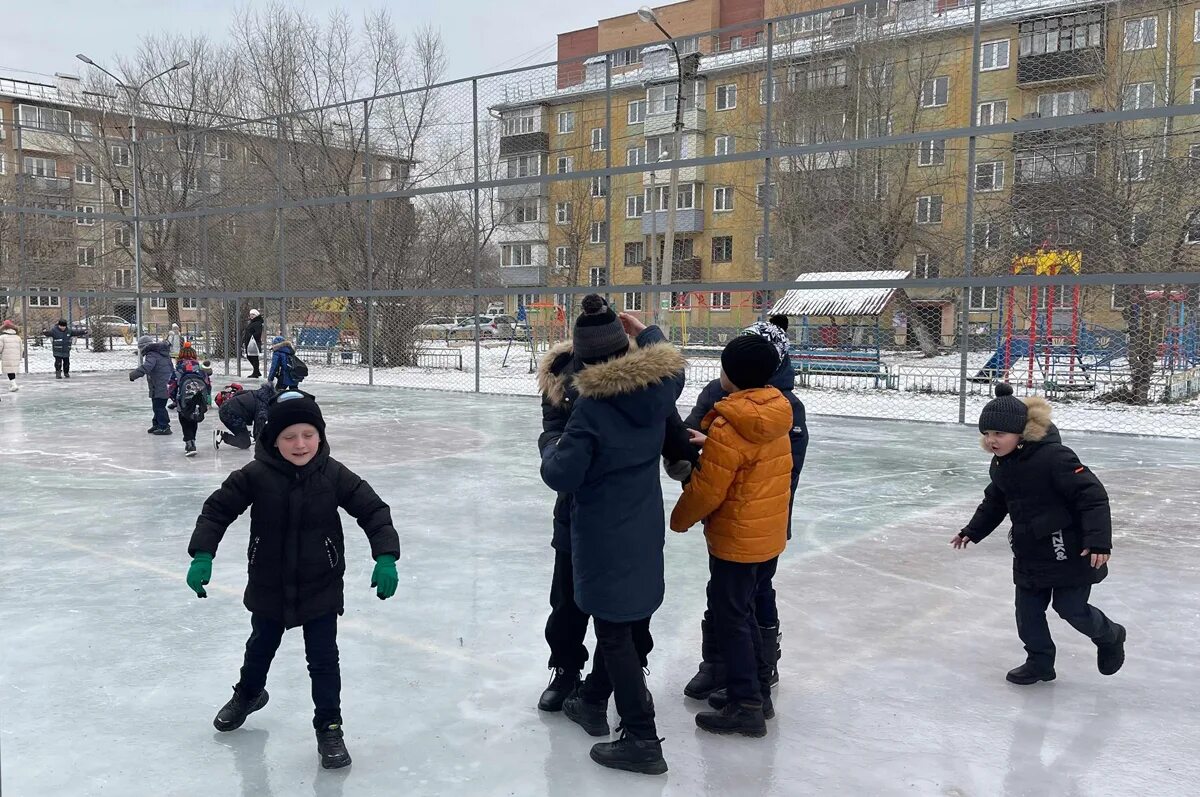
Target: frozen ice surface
column 895, row 647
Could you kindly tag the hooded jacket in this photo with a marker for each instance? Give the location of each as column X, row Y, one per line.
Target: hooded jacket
column 246, row 409
column 607, row 459
column 743, row 482
column 254, row 329
column 10, row 351
column 157, row 368
column 60, row 340
column 279, row 365
column 1057, row 506
column 556, row 381
column 296, row 552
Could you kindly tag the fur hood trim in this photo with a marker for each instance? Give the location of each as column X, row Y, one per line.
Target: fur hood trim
column 637, row 370
column 1038, row 424
column 286, row 342
column 551, row 385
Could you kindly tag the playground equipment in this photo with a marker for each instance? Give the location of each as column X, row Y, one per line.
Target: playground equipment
column 1180, row 349
column 546, row 324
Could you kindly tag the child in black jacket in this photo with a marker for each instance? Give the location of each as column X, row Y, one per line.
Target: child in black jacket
column 296, row 558
column 1061, row 533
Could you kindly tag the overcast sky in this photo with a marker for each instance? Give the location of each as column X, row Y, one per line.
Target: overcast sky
column 480, row 35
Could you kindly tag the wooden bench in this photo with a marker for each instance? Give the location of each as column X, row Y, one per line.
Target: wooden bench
column 840, row 362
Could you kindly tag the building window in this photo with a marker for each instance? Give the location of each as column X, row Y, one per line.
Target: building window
column 994, row 112
column 727, row 97
column 628, row 56
column 989, row 176
column 658, row 148
column 122, row 236
column 1068, row 160
column 759, row 242
column 1193, row 231
column 123, row 278
column 735, row 42
column 762, row 196
column 1061, row 34
column 524, row 166
column 635, row 206
column 566, row 165
column 633, row 302
column 721, row 301
column 680, row 300
column 122, row 198
column 1196, row 87
column 931, row 153
column 48, row 297
column 521, row 211
column 1194, row 157
column 562, row 213
column 1137, row 165
column 566, row 122
column 85, row 255
column 636, row 113
column 562, row 257
column 635, row 253
column 662, row 99
column 925, row 266
column 599, row 186
column 3, row 161
column 516, row 255
column 687, row 197
column 879, row 76
column 635, row 156
column 822, row 77
column 984, row 298
column 50, row 119
column 762, row 90
column 158, row 303
column 524, row 121
column 597, row 278
column 722, row 248
column 83, row 174
column 40, row 167
column 722, row 199
column 599, row 231
column 1136, row 96
column 599, row 140
column 84, row 217
column 935, row 92
column 993, row 55
column 191, row 302
column 878, row 126
column 1063, row 103
column 1117, row 299
column 1141, row 34
column 723, row 145
column 987, row 236
column 120, row 155
column 929, row 209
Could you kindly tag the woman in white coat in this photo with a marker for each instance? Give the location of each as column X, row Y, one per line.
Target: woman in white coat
column 10, row 353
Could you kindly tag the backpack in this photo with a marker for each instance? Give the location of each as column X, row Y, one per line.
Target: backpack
column 191, row 394
column 296, row 367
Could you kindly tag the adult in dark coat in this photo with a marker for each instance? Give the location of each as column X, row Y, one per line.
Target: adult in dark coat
column 243, row 412
column 60, row 336
column 607, row 458
column 296, row 558
column 566, row 627
column 1061, row 534
column 252, row 342
column 710, row 676
column 158, row 369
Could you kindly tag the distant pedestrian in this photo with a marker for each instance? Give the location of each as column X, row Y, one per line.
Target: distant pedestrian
column 61, row 347
column 10, row 353
column 175, row 341
column 252, row 341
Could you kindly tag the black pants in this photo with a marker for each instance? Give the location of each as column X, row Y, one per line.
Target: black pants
column 12, row 377
column 189, row 428
column 567, row 624
column 62, row 365
column 253, row 360
column 320, row 648
column 621, row 653
column 240, row 438
column 732, row 587
column 1072, row 605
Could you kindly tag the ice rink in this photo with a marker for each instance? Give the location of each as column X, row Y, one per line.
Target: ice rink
column 894, row 646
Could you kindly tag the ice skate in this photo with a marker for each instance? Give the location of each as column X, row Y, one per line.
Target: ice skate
column 189, row 448
column 216, row 439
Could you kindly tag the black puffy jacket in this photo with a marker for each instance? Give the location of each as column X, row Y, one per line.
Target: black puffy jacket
column 296, row 552
column 246, row 409
column 1058, row 508
column 61, row 344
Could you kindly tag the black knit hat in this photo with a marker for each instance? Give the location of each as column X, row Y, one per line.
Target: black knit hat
column 62, row 322
column 1004, row 413
column 749, row 361
column 291, row 407
column 780, row 321
column 598, row 334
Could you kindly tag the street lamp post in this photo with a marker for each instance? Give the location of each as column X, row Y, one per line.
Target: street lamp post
column 646, row 14
column 135, row 95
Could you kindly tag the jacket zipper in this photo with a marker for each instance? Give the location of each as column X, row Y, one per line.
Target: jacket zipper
column 254, row 550
column 331, row 553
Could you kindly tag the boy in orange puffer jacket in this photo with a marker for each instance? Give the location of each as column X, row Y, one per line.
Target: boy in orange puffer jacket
column 741, row 490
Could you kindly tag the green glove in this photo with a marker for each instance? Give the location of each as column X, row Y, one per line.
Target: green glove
column 200, row 572
column 385, row 577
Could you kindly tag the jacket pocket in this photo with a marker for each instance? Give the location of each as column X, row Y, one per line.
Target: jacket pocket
column 331, row 554
column 254, row 550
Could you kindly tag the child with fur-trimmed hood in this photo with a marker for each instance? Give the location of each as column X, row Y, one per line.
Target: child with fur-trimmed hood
column 1061, row 534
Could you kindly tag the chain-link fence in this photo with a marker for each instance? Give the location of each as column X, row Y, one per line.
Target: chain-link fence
column 937, row 195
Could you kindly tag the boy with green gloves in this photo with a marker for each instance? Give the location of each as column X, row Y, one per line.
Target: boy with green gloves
column 296, row 558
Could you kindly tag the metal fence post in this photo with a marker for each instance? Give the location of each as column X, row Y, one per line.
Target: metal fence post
column 608, row 148
column 475, row 219
column 22, row 282
column 969, row 224
column 281, row 263
column 237, row 333
column 370, row 246
column 769, row 143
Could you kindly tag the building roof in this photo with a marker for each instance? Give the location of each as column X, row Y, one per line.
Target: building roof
column 839, row 301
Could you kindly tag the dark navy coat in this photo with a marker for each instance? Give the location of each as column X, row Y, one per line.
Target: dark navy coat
column 60, row 340
column 157, row 368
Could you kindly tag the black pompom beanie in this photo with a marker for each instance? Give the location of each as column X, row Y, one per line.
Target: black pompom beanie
column 598, row 334
column 1005, row 413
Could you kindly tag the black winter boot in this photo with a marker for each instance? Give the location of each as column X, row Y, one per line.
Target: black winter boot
column 632, row 755
column 331, row 747
column 592, row 717
column 561, row 685
column 234, row 713
column 1028, row 674
column 739, row 716
column 1110, row 657
column 711, row 675
column 720, row 698
column 771, row 650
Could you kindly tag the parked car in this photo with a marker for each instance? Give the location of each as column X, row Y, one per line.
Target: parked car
column 509, row 327
column 466, row 328
column 436, row 327
column 104, row 325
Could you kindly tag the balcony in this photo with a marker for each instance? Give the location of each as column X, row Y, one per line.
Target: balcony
column 520, row 276
column 685, row 270
column 524, row 142
column 1064, row 191
column 685, row 221
column 34, row 183
column 523, row 190
column 661, row 124
column 509, row 232
column 1051, row 67
column 1065, row 135
column 662, row 175
column 34, row 140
